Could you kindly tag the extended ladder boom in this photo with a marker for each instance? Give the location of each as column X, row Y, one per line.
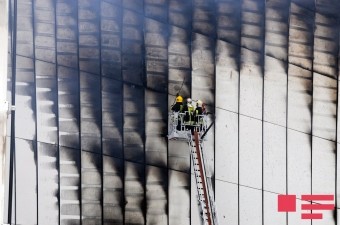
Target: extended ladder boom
column 180, row 129
column 204, row 190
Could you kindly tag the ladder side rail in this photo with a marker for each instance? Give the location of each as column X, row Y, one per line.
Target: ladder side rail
column 212, row 201
column 203, row 177
column 210, row 189
column 197, row 176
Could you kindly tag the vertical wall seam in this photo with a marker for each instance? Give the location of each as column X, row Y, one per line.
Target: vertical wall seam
column 14, row 114
column 192, row 2
column 263, row 56
column 79, row 121
column 215, row 87
column 122, row 200
column 34, row 101
column 312, row 102
column 101, row 107
column 57, row 107
column 167, row 3
column 144, row 84
column 287, row 98
column 337, row 120
column 238, row 115
column 12, row 177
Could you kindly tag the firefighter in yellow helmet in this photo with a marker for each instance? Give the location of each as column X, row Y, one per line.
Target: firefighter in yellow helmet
column 177, row 107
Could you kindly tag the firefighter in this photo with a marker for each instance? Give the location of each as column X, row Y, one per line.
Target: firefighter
column 199, row 108
column 189, row 109
column 178, row 106
column 188, row 106
column 176, row 109
column 199, row 111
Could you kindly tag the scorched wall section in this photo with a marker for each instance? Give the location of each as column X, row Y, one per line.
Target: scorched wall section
column 92, row 82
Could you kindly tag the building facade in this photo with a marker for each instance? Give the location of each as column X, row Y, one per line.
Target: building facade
column 92, row 83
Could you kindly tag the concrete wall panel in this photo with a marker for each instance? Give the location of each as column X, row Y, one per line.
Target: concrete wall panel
column 298, row 170
column 70, row 186
column 48, row 186
column 113, row 192
column 156, row 195
column 179, row 198
column 26, row 186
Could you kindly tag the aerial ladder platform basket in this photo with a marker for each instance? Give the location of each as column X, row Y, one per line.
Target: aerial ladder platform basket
column 194, row 134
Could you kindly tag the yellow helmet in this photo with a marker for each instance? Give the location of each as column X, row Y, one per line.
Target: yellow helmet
column 179, row 98
column 199, row 103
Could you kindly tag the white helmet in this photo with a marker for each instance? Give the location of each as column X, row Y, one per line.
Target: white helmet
column 199, row 103
column 189, row 100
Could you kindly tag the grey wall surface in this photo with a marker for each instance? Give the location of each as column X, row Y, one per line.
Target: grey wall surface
column 92, row 82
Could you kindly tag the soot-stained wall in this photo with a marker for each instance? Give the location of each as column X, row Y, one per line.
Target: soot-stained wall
column 92, row 82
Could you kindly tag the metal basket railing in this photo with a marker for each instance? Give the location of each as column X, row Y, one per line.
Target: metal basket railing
column 179, row 123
